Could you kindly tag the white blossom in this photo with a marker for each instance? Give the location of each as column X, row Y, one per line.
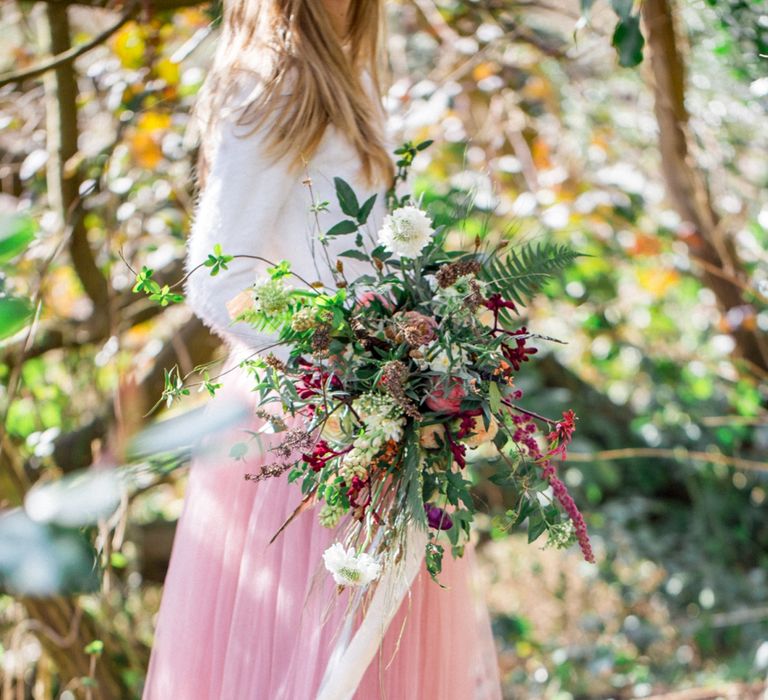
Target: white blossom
column 390, row 428
column 442, row 361
column 271, row 296
column 406, row 231
column 348, row 568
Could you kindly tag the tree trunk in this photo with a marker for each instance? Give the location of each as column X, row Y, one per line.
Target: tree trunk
column 708, row 243
column 63, row 178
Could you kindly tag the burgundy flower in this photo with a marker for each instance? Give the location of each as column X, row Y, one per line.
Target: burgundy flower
column 459, row 452
column 319, row 456
column 562, row 435
column 496, row 302
column 524, row 436
column 519, row 353
column 322, row 454
column 467, row 422
column 313, row 380
column 437, row 518
column 458, row 449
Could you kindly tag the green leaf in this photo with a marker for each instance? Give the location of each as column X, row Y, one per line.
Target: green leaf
column 218, row 261
column 414, row 480
column 343, row 227
column 629, row 42
column 238, row 451
column 347, row 198
column 145, row 283
column 424, row 145
column 501, row 478
column 494, row 397
column 164, row 296
column 355, row 255
column 17, row 231
column 15, row 313
column 118, row 560
column 536, row 526
column 434, row 559
column 365, row 210
column 623, row 8
column 94, row 648
column 282, row 269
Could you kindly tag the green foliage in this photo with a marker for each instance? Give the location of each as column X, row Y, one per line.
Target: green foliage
column 347, row 198
column 15, row 313
column 16, row 233
column 523, row 271
column 217, row 261
column 174, row 387
column 94, row 648
column 628, row 41
column 627, row 37
column 342, row 228
column 644, row 365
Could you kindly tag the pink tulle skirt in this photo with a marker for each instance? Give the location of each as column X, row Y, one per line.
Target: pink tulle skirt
column 242, row 619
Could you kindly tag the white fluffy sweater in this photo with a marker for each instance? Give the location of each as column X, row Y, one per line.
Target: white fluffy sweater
column 253, row 206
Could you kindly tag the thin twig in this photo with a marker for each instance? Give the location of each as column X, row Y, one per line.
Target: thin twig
column 528, row 413
column 677, row 453
column 72, row 54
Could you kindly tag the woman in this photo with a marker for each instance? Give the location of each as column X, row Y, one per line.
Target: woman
column 290, row 103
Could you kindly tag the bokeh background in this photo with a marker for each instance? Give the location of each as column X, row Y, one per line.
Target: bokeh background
column 636, row 132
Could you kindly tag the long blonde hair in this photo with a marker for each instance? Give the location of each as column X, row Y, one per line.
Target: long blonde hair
column 311, row 78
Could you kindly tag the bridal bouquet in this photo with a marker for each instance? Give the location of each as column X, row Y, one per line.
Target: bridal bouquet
column 397, row 375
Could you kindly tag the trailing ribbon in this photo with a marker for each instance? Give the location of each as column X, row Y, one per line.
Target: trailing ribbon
column 349, row 661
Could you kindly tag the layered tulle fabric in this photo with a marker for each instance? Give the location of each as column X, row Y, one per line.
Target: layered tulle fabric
column 244, row 619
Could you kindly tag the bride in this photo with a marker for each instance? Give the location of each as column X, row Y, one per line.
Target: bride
column 290, row 103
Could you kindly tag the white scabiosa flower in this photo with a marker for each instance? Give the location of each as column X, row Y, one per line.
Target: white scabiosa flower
column 348, row 568
column 406, row 231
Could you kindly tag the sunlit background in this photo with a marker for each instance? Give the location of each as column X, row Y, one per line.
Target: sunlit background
column 638, row 136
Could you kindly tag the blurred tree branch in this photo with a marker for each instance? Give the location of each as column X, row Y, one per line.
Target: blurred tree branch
column 686, row 184
column 70, row 54
column 131, row 310
column 154, row 5
column 679, row 454
column 192, row 343
column 63, row 178
column 65, row 630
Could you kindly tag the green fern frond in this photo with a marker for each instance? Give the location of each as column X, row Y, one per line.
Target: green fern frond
column 523, row 271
